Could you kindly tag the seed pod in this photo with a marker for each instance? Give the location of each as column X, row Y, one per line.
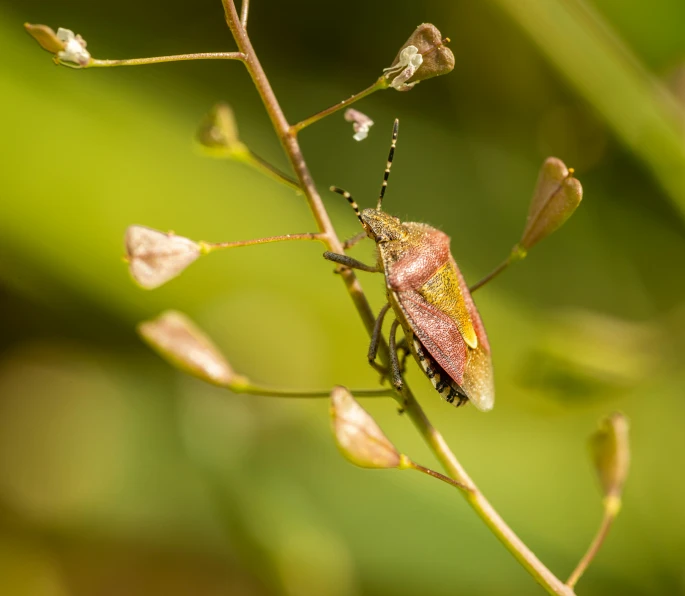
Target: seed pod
column 357, row 435
column 423, row 56
column 611, row 453
column 155, row 257
column 218, row 133
column 179, row 341
column 557, row 195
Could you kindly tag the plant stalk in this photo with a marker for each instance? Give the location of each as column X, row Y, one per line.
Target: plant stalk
column 433, row 438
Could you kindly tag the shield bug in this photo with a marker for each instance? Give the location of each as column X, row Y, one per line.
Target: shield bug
column 430, row 301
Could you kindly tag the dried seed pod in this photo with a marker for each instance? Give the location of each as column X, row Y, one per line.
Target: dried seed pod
column 557, row 195
column 611, row 453
column 423, row 56
column 358, row 436
column 179, row 341
column 155, row 257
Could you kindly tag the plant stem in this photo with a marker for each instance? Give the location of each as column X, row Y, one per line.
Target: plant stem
column 611, row 509
column 435, row 441
column 516, row 254
column 244, row 9
column 94, row 63
column 408, row 464
column 381, row 83
column 265, row 167
column 243, row 385
column 208, row 247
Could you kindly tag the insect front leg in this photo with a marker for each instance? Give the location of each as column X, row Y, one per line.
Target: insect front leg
column 346, row 261
column 350, row 242
column 394, row 360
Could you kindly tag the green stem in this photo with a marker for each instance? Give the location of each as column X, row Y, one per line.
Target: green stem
column 517, row 254
column 94, row 63
column 243, row 385
column 265, row 167
column 480, row 504
column 408, row 464
column 381, row 83
column 207, row 247
column 611, row 508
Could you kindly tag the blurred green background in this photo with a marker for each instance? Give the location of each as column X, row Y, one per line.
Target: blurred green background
column 119, row 475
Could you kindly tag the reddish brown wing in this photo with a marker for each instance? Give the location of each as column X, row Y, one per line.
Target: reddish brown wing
column 444, row 343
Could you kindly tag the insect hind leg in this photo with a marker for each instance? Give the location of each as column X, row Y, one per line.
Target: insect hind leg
column 395, row 369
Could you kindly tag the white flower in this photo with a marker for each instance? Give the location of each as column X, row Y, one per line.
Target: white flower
column 74, row 52
column 360, row 123
column 408, row 63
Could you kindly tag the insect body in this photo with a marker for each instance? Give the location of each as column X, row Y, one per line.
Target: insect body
column 430, row 300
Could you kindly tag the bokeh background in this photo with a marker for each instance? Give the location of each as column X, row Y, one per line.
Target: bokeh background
column 119, row 475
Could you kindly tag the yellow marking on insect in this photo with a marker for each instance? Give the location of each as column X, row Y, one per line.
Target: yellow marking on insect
column 443, row 291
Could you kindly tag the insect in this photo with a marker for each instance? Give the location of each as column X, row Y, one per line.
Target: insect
column 430, row 301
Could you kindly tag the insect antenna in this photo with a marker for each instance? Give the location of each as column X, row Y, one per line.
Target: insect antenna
column 391, row 155
column 351, row 201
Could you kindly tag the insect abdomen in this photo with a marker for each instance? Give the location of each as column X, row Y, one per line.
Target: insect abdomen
column 443, row 383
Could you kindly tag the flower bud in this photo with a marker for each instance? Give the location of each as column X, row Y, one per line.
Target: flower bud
column 218, row 133
column 361, row 123
column 423, row 55
column 358, row 436
column 611, row 453
column 180, row 342
column 68, row 48
column 155, row 257
column 556, row 196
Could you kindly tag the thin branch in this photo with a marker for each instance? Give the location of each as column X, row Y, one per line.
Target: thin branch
column 516, row 254
column 265, row 167
column 208, row 247
column 244, row 9
column 611, row 510
column 490, row 276
column 408, row 464
column 381, row 83
column 94, row 63
column 435, row 441
column 243, row 385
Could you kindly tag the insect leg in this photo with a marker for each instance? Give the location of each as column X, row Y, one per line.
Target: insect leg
column 350, row 262
column 404, row 346
column 375, row 340
column 394, row 361
column 350, row 242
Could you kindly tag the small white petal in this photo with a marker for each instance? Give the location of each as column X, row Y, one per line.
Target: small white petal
column 74, row 53
column 361, row 123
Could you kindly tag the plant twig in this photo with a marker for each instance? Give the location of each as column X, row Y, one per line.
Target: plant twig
column 434, row 439
column 517, row 254
column 611, row 509
column 244, row 9
column 272, row 171
column 381, row 83
column 94, row 63
column 243, row 385
column 208, row 247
